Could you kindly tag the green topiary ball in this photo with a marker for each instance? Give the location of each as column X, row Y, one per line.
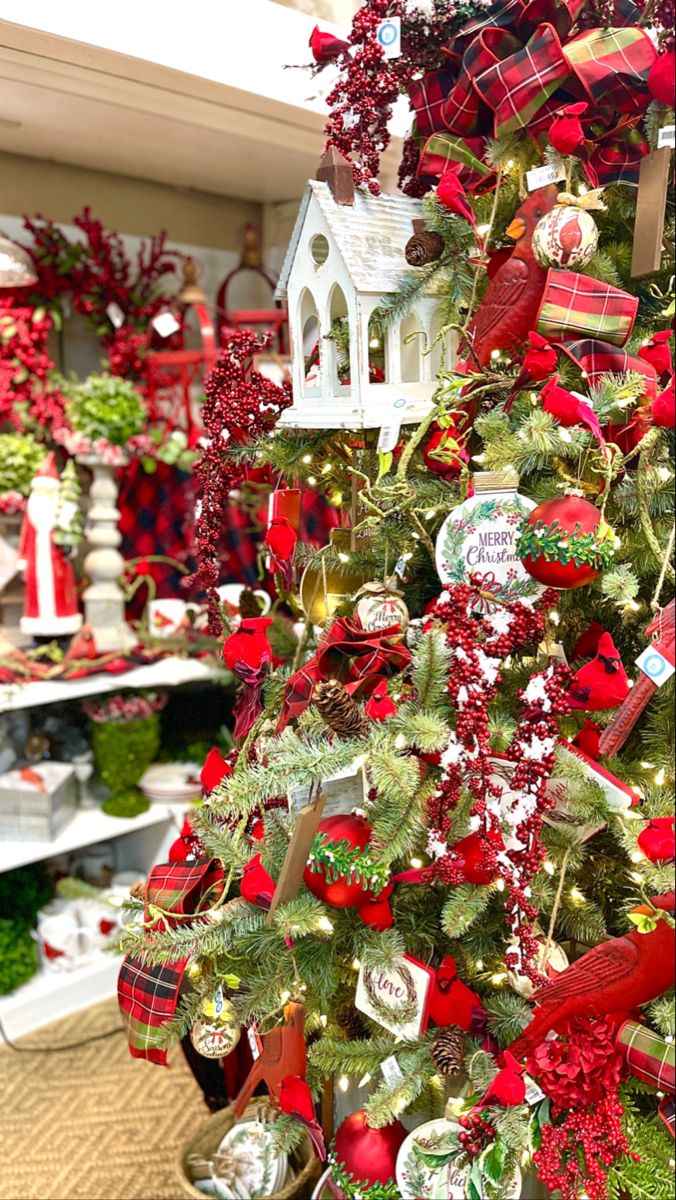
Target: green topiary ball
column 18, row 955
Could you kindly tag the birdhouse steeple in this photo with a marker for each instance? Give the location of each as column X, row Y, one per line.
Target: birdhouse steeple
column 336, row 170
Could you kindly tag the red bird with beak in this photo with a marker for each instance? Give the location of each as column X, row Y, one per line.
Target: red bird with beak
column 509, row 309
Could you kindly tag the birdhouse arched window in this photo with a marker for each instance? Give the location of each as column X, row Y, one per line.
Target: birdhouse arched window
column 339, row 334
column 308, row 323
column 411, row 345
column 377, row 348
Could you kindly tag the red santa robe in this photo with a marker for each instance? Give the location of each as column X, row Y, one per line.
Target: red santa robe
column 50, row 599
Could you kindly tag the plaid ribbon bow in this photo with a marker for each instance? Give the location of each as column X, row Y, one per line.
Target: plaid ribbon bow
column 515, row 68
column 575, row 306
column 360, row 660
column 148, row 994
column 648, row 1056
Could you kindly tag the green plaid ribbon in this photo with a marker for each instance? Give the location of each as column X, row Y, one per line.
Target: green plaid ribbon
column 578, row 306
column 648, row 1055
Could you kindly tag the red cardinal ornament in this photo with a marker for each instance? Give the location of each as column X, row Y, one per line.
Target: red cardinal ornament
column 380, row 706
column 215, row 769
column 295, row 1098
column 662, row 80
column 257, row 885
column 508, row 1088
column 614, row 977
column 326, row 46
column 588, row 642
column 658, row 353
column 566, row 132
column 663, row 408
column 452, row 1002
column 370, row 1155
column 280, row 540
column 452, row 195
column 587, row 740
column 657, row 839
column 601, row 683
column 510, row 306
column 249, row 646
column 478, row 857
column 375, row 911
column 540, row 361
column 283, row 1054
column 570, row 409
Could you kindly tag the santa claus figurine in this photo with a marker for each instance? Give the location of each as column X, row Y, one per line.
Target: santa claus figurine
column 50, row 601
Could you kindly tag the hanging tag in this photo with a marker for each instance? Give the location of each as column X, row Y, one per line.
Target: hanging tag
column 666, row 137
column 534, row 1094
column 541, row 176
column 389, row 431
column 115, row 315
column 388, row 35
column 653, row 664
column 400, row 567
column 392, row 1072
column 165, row 324
column 255, row 1042
column 218, row 1001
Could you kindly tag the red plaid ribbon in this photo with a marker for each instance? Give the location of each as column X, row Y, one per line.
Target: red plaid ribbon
column 513, row 69
column 148, row 995
column 598, row 358
column 348, row 653
column 667, row 1111
column 648, row 1056
column 576, row 306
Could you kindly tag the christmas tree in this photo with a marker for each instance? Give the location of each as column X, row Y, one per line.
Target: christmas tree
column 438, row 869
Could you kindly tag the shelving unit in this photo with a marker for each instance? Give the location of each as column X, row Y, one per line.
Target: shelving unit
column 48, row 996
column 166, row 672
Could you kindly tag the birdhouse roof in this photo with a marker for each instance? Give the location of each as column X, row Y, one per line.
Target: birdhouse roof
column 370, row 236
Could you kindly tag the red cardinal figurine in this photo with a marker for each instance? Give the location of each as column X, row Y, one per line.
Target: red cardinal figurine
column 510, row 307
column 295, row 1098
column 325, row 45
column 508, row 1088
column 601, row 683
column 657, row 839
column 540, row 361
column 283, row 1054
column 452, row 1002
column 570, row 409
column 663, row 408
column 566, row 132
column 452, row 195
column 658, row 352
column 612, row 978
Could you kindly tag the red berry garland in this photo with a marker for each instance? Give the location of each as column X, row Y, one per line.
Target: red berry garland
column 239, row 404
column 575, row 1155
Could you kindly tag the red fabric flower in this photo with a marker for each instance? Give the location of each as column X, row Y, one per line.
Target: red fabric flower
column 249, row 646
column 658, row 839
column 580, row 1067
column 380, row 706
column 214, row 770
column 658, row 352
column 325, row 45
column 566, row 132
column 661, row 79
column 663, row 408
column 452, row 195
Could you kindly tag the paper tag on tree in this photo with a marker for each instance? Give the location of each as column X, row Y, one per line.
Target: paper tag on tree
column 397, row 997
column 388, row 35
column 541, row 176
column 389, row 431
column 392, row 1072
column 165, row 324
column 534, row 1094
column 653, row 664
column 115, row 315
column 255, row 1042
column 666, row 137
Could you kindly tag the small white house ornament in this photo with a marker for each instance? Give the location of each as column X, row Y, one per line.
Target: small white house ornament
column 343, row 260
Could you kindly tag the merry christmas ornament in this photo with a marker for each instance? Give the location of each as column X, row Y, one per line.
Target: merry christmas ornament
column 381, row 605
column 567, row 236
column 564, row 543
column 479, row 538
column 217, row 1031
column 363, row 1156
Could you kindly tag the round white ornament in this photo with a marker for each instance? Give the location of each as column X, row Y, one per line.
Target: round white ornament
column 217, row 1031
column 422, row 1173
column 479, row 537
column 565, row 237
column 379, row 606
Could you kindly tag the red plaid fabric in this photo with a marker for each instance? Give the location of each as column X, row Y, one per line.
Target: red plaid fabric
column 612, row 65
column 184, row 889
column 648, row 1056
column 667, row 1111
column 598, row 358
column 427, row 97
column 358, row 659
column 517, row 88
column 575, row 305
column 443, row 150
column 156, row 517
column 617, row 160
column 464, row 106
column 147, row 996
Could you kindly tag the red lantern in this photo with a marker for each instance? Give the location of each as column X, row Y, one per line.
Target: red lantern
column 369, row 1155
column 553, row 547
column 341, row 893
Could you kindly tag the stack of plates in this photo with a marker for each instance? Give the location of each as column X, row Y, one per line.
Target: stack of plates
column 172, row 783
column 251, row 1166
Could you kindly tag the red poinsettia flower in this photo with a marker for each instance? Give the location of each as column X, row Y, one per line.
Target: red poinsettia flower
column 325, row 45
column 214, row 770
column 566, row 132
column 249, row 646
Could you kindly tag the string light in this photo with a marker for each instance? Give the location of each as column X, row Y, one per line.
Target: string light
column 323, row 1020
column 431, row 514
column 637, row 878
column 637, row 856
column 482, row 230
column 554, row 617
column 549, row 867
column 416, row 863
column 660, row 776
column 495, row 356
column 356, row 964
column 498, row 978
column 365, row 1079
column 400, row 741
column 500, row 885
column 326, row 468
column 325, row 924
column 565, row 436
column 343, row 1083
column 479, row 964
column 576, row 895
column 307, row 458
column 344, row 558
column 285, row 996
column 311, row 480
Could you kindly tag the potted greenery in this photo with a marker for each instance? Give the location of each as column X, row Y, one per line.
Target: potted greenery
column 20, row 458
column 125, row 739
column 104, row 414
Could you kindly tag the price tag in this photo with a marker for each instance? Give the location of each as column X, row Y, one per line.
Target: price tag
column 534, row 1094
column 115, row 315
column 165, row 324
column 391, row 1070
column 388, row 35
column 653, row 664
column 400, row 567
column 541, row 176
column 255, row 1042
column 666, row 137
column 218, row 1001
column 389, row 432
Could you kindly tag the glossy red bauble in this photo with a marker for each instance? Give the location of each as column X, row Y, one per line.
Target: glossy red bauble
column 478, row 861
column 567, row 515
column 370, row 1155
column 341, row 893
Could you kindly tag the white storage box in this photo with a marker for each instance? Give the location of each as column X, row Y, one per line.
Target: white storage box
column 36, row 803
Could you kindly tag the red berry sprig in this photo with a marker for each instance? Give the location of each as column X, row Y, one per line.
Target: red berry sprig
column 576, row 1154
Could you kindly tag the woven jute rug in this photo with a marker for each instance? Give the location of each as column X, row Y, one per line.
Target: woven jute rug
column 93, row 1123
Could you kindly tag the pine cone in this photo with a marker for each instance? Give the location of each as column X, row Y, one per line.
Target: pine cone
column 448, row 1050
column 348, row 1018
column 423, row 247
column 250, row 605
column 137, row 891
column 340, row 711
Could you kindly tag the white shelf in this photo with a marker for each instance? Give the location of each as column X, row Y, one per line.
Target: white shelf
column 166, row 672
column 49, row 995
column 89, row 825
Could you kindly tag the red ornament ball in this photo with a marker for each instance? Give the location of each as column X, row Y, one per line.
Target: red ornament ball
column 478, row 855
column 553, row 524
column 341, row 892
column 370, row 1155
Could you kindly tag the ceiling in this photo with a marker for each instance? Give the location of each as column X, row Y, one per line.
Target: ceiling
column 89, row 107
